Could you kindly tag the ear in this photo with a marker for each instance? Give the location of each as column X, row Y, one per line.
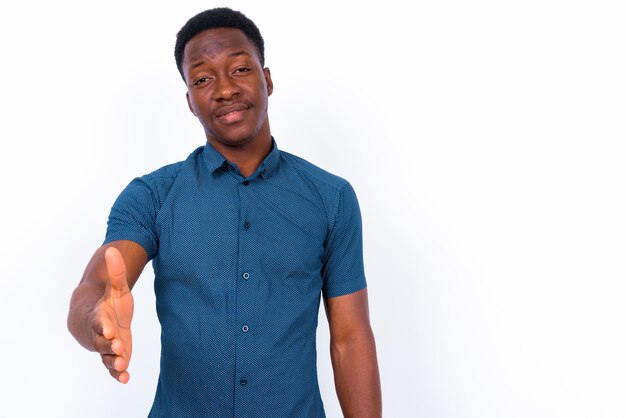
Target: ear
column 189, row 104
column 268, row 81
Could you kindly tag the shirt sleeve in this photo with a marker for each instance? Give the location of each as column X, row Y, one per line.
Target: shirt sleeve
column 133, row 217
column 343, row 270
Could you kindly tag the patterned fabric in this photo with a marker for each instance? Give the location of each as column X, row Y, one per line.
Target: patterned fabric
column 240, row 264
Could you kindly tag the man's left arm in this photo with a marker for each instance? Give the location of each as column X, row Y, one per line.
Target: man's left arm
column 353, row 355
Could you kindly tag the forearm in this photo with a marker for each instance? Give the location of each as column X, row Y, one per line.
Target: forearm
column 357, row 380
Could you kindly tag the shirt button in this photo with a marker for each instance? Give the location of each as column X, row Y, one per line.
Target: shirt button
column 245, row 328
column 247, row 224
column 246, row 275
column 243, row 382
column 245, row 183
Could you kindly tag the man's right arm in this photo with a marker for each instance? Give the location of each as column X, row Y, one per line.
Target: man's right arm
column 101, row 307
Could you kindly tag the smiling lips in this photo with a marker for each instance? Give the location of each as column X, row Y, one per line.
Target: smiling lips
column 232, row 113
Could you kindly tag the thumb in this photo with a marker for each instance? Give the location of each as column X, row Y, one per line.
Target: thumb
column 116, row 269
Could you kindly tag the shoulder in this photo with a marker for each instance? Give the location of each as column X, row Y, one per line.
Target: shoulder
column 165, row 176
column 173, row 170
column 156, row 185
column 334, row 193
column 314, row 173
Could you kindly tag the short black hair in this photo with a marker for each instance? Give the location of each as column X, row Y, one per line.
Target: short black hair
column 220, row 17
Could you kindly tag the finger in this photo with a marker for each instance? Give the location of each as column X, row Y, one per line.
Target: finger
column 118, row 347
column 108, row 361
column 122, row 377
column 115, row 346
column 115, row 363
column 116, row 269
column 103, row 325
column 103, row 345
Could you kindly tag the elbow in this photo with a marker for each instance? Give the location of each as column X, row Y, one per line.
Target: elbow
column 342, row 346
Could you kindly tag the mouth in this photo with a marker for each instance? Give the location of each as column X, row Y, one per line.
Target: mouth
column 231, row 113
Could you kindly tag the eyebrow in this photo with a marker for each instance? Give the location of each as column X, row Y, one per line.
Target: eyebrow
column 236, row 54
column 232, row 54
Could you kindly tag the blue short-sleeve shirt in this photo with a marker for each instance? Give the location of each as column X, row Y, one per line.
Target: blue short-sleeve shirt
column 240, row 264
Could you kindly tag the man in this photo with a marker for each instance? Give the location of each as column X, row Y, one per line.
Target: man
column 243, row 239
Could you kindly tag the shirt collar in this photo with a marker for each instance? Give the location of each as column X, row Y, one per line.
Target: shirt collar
column 213, row 159
column 216, row 161
column 270, row 162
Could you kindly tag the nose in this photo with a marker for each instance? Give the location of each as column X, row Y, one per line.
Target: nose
column 225, row 88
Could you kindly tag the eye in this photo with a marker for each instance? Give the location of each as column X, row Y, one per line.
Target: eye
column 199, row 81
column 242, row 70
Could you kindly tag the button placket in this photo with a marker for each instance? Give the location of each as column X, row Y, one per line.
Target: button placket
column 244, row 297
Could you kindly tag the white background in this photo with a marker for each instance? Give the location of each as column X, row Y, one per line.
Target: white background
column 485, row 141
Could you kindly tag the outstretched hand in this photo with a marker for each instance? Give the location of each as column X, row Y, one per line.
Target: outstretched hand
column 111, row 318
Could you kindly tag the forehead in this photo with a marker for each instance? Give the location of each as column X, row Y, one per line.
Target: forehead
column 212, row 43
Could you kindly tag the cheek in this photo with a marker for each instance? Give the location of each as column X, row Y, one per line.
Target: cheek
column 191, row 104
column 263, row 90
column 198, row 106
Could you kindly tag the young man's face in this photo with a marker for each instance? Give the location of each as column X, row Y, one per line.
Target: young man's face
column 227, row 89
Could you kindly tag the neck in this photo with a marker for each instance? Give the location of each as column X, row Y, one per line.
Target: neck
column 247, row 157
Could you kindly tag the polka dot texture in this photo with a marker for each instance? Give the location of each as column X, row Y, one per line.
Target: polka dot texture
column 240, row 264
